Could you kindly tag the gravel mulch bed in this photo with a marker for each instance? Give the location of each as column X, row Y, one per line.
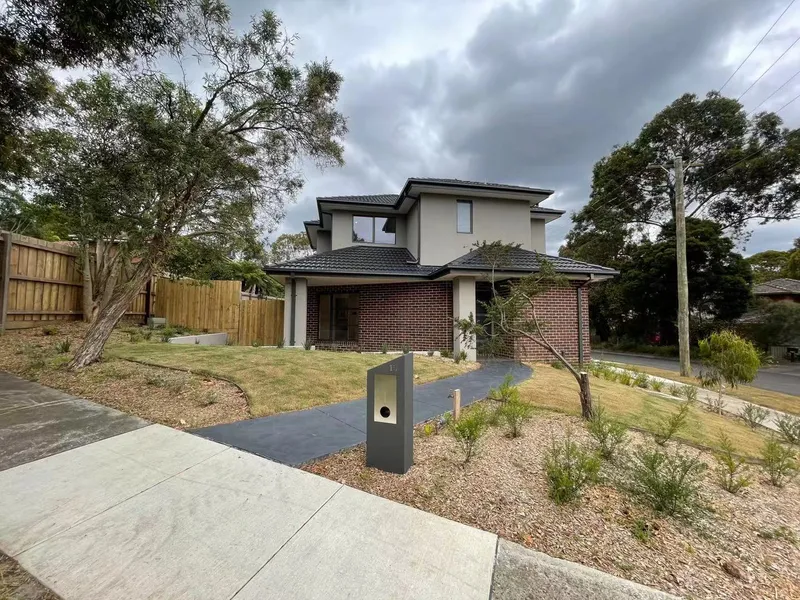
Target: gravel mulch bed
column 725, row 554
column 17, row 584
column 161, row 395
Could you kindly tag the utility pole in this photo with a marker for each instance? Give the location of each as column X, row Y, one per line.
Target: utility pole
column 683, row 276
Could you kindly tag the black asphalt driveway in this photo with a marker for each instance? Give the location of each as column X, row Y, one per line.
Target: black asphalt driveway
column 298, row 437
column 781, row 378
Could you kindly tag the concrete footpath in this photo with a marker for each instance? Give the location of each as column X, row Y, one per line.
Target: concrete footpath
column 157, row 513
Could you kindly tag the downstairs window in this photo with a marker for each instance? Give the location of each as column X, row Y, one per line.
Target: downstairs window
column 338, row 317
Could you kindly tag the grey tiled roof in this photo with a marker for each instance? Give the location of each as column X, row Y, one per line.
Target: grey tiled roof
column 519, row 259
column 388, row 260
column 778, row 286
column 357, row 260
column 486, row 184
column 380, row 199
column 544, row 209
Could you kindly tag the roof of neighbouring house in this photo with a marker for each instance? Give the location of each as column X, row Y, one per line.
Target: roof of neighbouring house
column 391, row 261
column 778, row 287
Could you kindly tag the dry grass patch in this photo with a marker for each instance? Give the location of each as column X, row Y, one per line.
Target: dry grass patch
column 503, row 489
column 557, row 390
column 775, row 400
column 165, row 396
column 279, row 380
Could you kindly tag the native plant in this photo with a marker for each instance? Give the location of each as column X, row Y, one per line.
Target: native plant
column 753, row 415
column 780, row 462
column 731, row 471
column 515, row 412
column 141, row 161
column 667, row 427
column 506, row 391
column 727, row 358
column 512, row 312
column 668, row 481
column 611, row 436
column 789, row 429
column 569, row 469
column 468, row 429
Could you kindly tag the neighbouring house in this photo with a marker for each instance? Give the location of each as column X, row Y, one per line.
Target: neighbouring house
column 779, row 289
column 394, row 270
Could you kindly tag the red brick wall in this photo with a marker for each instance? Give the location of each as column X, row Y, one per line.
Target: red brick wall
column 419, row 315
column 558, row 311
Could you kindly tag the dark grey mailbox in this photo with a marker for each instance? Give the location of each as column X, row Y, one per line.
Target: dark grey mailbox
column 390, row 415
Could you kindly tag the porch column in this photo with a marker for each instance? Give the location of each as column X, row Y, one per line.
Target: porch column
column 463, row 305
column 294, row 311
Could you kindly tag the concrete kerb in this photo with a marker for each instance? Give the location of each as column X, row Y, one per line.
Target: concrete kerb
column 732, row 406
column 203, row 339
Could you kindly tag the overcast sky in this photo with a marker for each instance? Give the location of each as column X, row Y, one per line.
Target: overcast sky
column 525, row 92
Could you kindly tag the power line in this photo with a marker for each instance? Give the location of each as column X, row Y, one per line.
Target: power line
column 785, row 83
column 756, row 46
column 769, row 68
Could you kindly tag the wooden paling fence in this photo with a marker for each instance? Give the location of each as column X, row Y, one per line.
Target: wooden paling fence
column 41, row 282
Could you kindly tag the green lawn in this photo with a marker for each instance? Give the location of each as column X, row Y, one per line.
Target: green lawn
column 557, row 389
column 279, row 380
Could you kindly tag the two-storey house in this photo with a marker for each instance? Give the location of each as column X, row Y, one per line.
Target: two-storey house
column 394, row 270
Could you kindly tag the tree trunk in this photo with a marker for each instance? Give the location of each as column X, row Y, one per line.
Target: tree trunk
column 586, row 396
column 88, row 303
column 109, row 315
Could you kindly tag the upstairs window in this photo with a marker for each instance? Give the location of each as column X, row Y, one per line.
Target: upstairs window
column 374, row 230
column 464, row 216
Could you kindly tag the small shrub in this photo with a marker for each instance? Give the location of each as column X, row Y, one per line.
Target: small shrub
column 430, row 352
column 676, row 390
column 753, row 414
column 462, row 355
column 668, row 482
column 641, row 380
column 611, row 436
column 557, row 364
column 256, row 344
column 789, row 429
column 457, row 358
column 307, row 345
column 63, row 346
column 610, row 374
column 469, row 429
column 667, row 427
column 731, row 471
column 428, row 429
column 727, row 358
column 782, row 532
column 506, row 391
column 196, row 341
column 384, row 348
column 210, row 398
column 642, row 530
column 690, row 393
column 50, row 330
column 569, row 469
column 624, row 377
column 156, row 380
column 165, row 337
column 656, row 385
column 406, row 348
column 445, row 353
column 716, row 403
column 147, row 334
column 515, row 413
column 780, row 462
column 280, row 343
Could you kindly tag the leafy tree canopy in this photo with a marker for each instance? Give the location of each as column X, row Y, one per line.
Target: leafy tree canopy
column 747, row 170
column 774, row 264
column 36, row 35
column 642, row 301
column 774, row 323
column 144, row 162
column 289, row 246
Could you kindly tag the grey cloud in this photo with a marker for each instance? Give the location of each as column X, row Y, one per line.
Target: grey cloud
column 536, row 95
